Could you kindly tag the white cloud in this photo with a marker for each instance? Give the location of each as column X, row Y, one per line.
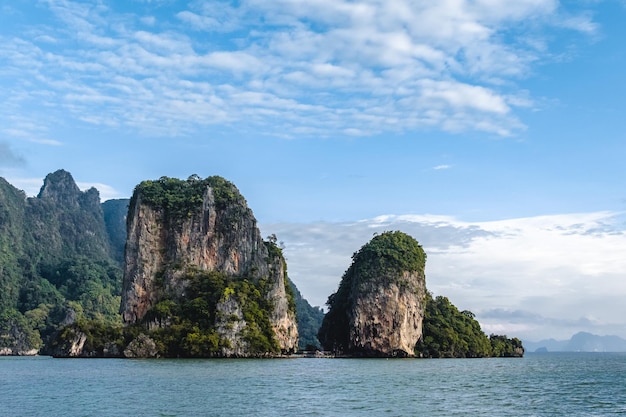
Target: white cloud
column 395, row 65
column 457, row 95
column 535, row 278
column 582, row 23
column 441, row 167
column 30, row 186
column 106, row 191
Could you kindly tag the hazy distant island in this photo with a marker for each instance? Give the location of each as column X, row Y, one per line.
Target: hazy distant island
column 580, row 342
column 180, row 270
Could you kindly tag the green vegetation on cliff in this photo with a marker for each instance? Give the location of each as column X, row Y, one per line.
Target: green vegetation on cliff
column 180, row 198
column 387, row 256
column 55, row 262
column 450, row 333
column 187, row 327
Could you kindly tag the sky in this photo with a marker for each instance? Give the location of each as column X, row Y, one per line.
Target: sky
column 491, row 131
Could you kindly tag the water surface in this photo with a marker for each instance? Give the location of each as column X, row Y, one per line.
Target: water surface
column 573, row 384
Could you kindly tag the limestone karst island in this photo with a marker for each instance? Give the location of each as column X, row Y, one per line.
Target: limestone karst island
column 181, row 270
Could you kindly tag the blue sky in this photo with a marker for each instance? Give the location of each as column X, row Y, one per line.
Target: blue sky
column 491, row 131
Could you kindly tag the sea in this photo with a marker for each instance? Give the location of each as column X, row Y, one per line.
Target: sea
column 546, row 384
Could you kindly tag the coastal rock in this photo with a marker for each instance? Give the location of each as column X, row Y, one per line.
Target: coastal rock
column 141, row 347
column 12, row 352
column 231, row 325
column 16, row 339
column 379, row 306
column 206, row 227
column 71, row 345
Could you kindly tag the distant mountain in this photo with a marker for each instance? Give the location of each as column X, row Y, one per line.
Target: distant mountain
column 580, row 342
column 309, row 321
column 115, row 212
column 57, row 262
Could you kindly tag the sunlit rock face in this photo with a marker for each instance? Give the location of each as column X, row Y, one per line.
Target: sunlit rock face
column 387, row 322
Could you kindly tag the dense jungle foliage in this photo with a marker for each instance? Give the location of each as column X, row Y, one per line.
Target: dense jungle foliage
column 191, row 322
column 180, row 198
column 385, row 257
column 56, row 262
column 450, row 333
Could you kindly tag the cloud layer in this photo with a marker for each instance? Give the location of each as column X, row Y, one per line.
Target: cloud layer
column 288, row 67
column 534, row 278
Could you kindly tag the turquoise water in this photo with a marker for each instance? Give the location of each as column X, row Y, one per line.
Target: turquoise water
column 575, row 384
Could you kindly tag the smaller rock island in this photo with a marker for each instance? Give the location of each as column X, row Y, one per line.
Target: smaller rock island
column 382, row 309
column 379, row 306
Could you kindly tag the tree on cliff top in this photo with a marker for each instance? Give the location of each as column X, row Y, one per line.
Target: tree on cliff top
column 180, row 198
column 388, row 255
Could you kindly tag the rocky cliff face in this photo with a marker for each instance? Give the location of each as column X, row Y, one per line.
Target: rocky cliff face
column 387, row 322
column 178, row 229
column 379, row 307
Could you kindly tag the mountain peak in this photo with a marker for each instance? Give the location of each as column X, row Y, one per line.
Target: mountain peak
column 60, row 187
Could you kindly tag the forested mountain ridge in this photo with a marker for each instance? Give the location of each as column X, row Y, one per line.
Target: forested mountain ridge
column 56, row 262
column 115, row 212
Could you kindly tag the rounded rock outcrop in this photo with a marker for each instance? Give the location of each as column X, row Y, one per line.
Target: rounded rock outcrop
column 379, row 306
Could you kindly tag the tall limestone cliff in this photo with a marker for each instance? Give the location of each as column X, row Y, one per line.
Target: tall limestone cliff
column 194, row 251
column 379, row 306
